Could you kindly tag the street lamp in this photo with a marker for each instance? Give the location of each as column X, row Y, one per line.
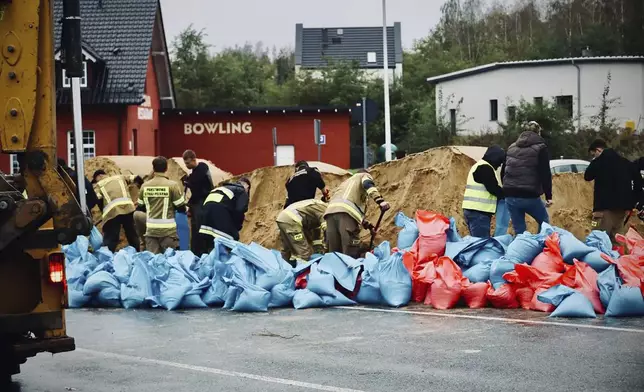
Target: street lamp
column 386, row 81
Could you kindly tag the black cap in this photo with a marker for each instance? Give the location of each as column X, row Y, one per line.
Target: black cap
column 99, row 172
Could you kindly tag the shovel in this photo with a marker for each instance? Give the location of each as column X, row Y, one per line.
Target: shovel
column 374, row 230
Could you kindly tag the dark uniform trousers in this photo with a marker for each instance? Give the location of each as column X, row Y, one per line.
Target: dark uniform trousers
column 112, row 231
column 195, row 224
column 343, row 234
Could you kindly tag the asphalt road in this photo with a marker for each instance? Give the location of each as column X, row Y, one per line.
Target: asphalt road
column 412, row 349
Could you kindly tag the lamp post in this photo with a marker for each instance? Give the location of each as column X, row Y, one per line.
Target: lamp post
column 386, row 81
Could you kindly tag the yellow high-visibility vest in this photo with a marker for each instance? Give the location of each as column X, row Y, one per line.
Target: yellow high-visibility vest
column 476, row 196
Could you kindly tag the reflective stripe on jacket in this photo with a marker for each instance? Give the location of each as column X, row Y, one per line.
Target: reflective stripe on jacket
column 116, row 197
column 351, row 196
column 306, row 213
column 161, row 197
column 476, row 196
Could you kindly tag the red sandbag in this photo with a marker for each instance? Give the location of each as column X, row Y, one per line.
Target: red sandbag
column 631, row 270
column 475, row 294
column 538, row 305
column 583, row 278
column 526, row 275
column 524, row 296
column 633, row 242
column 410, row 258
column 445, row 292
column 503, row 298
column 550, row 259
column 422, row 280
column 432, row 230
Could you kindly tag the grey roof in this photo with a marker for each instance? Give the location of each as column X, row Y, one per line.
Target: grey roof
column 107, row 25
column 314, row 47
column 534, row 63
column 260, row 110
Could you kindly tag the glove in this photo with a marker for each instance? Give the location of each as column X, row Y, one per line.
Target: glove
column 384, row 206
column 326, row 195
column 138, row 180
column 366, row 225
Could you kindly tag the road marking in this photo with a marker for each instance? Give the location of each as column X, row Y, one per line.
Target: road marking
column 220, row 372
column 489, row 318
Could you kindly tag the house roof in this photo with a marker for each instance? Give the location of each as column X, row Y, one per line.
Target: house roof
column 259, row 110
column 534, row 63
column 119, row 32
column 314, row 47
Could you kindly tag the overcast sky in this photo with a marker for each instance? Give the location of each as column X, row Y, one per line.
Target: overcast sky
column 236, row 22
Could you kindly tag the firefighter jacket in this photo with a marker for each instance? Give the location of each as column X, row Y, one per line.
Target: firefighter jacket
column 161, row 197
column 308, row 215
column 114, row 193
column 233, row 200
column 303, row 184
column 351, row 196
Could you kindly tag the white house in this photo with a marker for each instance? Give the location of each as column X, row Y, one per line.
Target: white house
column 478, row 99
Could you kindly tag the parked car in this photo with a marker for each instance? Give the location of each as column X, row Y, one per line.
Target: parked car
column 568, row 166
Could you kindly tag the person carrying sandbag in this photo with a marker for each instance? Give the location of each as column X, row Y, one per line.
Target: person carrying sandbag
column 302, row 228
column 346, row 212
column 482, row 192
column 160, row 197
column 303, row 184
column 118, row 208
column 526, row 176
column 223, row 213
column 617, row 188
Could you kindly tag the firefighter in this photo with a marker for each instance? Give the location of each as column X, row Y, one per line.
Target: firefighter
column 303, row 184
column 302, row 227
column 223, row 213
column 160, row 197
column 118, row 208
column 346, row 212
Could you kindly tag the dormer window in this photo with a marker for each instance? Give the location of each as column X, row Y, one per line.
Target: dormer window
column 67, row 82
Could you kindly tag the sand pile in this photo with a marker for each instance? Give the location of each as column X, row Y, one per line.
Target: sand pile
column 267, row 200
column 217, row 174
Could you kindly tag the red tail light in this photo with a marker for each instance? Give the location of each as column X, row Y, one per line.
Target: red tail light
column 56, row 267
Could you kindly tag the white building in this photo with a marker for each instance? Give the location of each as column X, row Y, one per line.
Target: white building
column 478, row 99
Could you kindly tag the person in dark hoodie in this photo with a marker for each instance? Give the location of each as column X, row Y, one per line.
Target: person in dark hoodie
column 303, row 184
column 618, row 187
column 526, row 176
column 223, row 213
column 482, row 192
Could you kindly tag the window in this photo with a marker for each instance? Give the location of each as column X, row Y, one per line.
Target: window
column 89, row 146
column 512, row 113
column 538, row 101
column 562, row 169
column 371, row 57
column 580, row 168
column 494, row 110
column 452, row 120
column 15, row 166
column 336, row 40
column 564, row 102
column 67, row 82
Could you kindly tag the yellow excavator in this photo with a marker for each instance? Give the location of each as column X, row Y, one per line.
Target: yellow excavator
column 33, row 293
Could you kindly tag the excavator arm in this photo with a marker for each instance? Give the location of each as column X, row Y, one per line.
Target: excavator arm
column 28, row 121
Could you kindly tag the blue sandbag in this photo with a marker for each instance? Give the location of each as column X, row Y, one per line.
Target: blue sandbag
column 95, row 238
column 409, row 232
column 606, row 283
column 596, row 261
column 270, row 267
column 173, row 289
column 498, row 268
column 571, row 247
column 122, row 265
column 345, row 269
column 76, row 298
column 243, row 269
column 216, row 293
column 369, row 292
column 231, row 295
column 282, row 294
column 502, row 218
column 575, row 305
column 600, row 240
column 394, row 281
column 99, row 281
column 109, row 297
column 337, row 299
column 555, row 295
column 382, row 251
column 250, row 297
column 525, row 247
column 320, row 282
column 77, row 249
column 104, row 255
column 452, row 232
column 183, row 230
column 478, row 273
column 625, row 302
column 477, row 251
column 138, row 287
column 192, row 299
column 305, row 299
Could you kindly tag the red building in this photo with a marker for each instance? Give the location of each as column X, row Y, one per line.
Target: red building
column 241, row 140
column 127, row 80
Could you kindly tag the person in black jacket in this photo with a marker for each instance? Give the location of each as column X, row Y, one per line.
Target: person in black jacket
column 617, row 189
column 526, row 176
column 223, row 213
column 200, row 184
column 482, row 192
column 303, row 184
column 90, row 194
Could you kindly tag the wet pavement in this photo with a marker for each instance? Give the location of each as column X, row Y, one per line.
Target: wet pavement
column 410, row 349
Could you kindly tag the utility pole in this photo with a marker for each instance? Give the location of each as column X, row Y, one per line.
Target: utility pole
column 385, row 77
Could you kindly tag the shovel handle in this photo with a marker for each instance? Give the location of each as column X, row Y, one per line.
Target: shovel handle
column 375, row 229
